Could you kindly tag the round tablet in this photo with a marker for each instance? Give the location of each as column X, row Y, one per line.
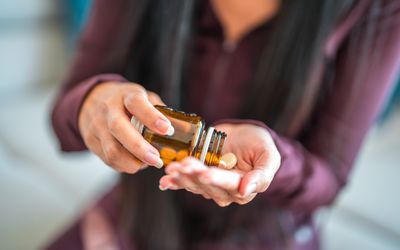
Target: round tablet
column 228, row 161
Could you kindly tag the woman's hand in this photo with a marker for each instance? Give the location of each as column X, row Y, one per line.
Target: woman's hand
column 104, row 123
column 258, row 161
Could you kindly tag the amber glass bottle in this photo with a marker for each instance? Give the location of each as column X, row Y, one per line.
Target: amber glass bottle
column 191, row 138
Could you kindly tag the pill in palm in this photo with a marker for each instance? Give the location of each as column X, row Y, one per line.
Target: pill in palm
column 228, row 161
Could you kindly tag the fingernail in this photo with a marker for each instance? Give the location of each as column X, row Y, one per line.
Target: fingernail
column 164, row 125
column 162, row 188
column 159, row 163
column 153, row 159
column 170, row 131
column 251, row 188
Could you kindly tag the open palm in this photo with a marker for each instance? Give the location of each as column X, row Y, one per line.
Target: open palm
column 258, row 161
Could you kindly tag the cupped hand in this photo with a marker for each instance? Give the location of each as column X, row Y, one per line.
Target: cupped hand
column 258, row 161
column 104, row 123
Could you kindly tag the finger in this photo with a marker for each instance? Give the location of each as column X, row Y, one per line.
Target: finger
column 167, row 182
column 259, row 179
column 132, row 140
column 223, row 179
column 192, row 164
column 206, row 196
column 199, row 175
column 138, row 104
column 173, row 167
column 116, row 156
column 154, row 98
column 220, row 196
column 187, row 183
column 244, row 165
column 179, row 169
column 94, row 144
column 223, row 203
column 245, row 200
column 188, row 165
column 255, row 181
column 173, row 171
column 182, row 177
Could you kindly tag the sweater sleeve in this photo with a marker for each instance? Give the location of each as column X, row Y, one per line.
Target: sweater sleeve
column 315, row 168
column 89, row 68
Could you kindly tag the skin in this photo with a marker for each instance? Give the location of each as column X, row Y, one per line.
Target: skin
column 104, row 123
column 238, row 17
column 258, row 161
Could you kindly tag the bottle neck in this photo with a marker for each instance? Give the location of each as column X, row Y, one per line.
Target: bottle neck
column 211, row 144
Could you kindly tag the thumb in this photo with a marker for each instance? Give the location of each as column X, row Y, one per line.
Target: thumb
column 255, row 181
column 259, row 179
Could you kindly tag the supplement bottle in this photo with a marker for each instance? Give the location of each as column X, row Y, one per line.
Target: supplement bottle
column 191, row 138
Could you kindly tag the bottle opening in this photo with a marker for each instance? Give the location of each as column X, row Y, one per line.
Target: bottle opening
column 206, row 144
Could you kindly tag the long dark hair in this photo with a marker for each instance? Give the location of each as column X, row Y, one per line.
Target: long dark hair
column 155, row 51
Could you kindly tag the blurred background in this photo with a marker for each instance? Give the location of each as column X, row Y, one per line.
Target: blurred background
column 43, row 190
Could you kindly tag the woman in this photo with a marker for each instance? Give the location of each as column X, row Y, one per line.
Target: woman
column 295, row 84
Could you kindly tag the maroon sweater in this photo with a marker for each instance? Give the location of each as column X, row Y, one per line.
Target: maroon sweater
column 313, row 169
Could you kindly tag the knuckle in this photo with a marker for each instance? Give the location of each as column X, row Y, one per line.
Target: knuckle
column 192, row 190
column 221, row 196
column 131, row 98
column 242, row 201
column 206, row 196
column 131, row 101
column 137, row 148
column 113, row 124
column 151, row 94
column 154, row 98
column 111, row 154
column 139, row 88
column 223, row 203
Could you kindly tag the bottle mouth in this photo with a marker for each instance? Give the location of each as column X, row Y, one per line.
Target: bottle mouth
column 211, row 148
column 206, row 144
